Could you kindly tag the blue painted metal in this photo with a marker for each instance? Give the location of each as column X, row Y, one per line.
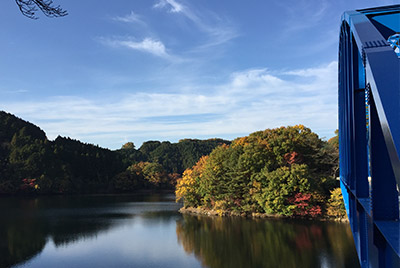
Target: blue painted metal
column 394, row 41
column 369, row 131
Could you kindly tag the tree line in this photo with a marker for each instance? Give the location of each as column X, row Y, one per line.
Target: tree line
column 30, row 163
column 286, row 171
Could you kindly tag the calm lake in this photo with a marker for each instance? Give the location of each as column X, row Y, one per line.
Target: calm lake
column 148, row 231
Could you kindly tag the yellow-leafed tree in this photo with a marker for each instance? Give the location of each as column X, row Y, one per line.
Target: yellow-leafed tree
column 336, row 207
column 187, row 188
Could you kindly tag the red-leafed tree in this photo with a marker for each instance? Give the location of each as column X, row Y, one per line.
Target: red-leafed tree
column 293, row 158
column 29, row 185
column 305, row 205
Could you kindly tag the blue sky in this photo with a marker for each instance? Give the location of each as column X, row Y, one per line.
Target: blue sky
column 117, row 71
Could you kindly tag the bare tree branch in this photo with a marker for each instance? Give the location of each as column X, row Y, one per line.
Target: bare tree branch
column 29, row 8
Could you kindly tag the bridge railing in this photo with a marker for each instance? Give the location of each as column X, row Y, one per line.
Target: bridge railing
column 369, row 131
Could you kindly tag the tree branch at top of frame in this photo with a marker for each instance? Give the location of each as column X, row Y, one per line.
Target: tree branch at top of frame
column 29, row 8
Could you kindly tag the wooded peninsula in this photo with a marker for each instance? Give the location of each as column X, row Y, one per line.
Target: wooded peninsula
column 285, row 171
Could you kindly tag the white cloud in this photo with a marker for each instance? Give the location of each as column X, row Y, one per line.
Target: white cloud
column 250, row 100
column 148, row 45
column 212, row 31
column 174, row 7
column 130, row 18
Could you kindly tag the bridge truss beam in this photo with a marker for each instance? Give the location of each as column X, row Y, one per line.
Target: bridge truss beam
column 369, row 132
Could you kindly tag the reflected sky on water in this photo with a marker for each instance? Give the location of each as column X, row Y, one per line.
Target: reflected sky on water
column 147, row 231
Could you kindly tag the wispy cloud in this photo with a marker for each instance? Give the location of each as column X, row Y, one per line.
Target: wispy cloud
column 130, row 18
column 211, row 30
column 147, row 45
column 17, row 91
column 172, row 5
column 300, row 15
column 219, row 30
column 250, row 100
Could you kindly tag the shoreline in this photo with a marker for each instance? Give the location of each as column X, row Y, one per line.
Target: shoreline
column 253, row 215
column 138, row 192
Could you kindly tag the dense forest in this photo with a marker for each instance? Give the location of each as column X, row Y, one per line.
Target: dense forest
column 285, row 171
column 32, row 164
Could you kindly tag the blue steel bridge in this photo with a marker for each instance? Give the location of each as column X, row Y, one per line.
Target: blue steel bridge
column 369, row 131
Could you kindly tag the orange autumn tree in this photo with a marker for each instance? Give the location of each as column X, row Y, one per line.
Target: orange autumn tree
column 188, row 187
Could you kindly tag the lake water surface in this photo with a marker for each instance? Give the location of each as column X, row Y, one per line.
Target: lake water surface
column 148, row 231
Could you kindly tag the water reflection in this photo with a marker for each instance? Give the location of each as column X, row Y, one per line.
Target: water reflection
column 147, row 231
column 28, row 224
column 236, row 242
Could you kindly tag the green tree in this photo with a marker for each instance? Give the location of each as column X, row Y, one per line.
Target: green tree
column 191, row 150
column 278, row 186
column 167, row 155
column 149, row 146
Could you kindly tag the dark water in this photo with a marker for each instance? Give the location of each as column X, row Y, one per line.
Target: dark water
column 147, row 231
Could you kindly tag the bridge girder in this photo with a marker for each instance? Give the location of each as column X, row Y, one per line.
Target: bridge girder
column 369, row 132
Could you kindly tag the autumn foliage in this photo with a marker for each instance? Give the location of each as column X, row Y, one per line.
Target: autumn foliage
column 304, row 205
column 29, row 185
column 286, row 171
column 336, row 208
column 188, row 187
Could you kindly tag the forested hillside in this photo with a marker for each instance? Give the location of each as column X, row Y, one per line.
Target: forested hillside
column 286, row 171
column 30, row 163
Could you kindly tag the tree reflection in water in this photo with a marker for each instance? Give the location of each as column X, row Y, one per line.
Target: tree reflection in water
column 237, row 242
column 29, row 223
